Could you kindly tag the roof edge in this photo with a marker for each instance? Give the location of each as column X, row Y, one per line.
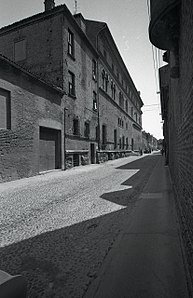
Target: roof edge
column 32, row 75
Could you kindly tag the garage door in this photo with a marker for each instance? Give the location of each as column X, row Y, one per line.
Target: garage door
column 49, row 149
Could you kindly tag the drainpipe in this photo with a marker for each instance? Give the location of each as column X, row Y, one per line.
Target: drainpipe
column 65, row 109
column 104, row 27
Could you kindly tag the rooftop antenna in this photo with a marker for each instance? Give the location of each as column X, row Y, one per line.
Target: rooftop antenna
column 75, row 6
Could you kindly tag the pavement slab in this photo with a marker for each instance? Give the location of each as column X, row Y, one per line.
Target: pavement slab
column 58, row 229
column 147, row 259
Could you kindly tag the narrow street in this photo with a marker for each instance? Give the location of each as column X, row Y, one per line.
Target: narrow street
column 66, row 232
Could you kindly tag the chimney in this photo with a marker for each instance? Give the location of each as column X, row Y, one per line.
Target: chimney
column 49, row 4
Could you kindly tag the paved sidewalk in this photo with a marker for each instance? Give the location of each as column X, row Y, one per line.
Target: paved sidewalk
column 147, row 259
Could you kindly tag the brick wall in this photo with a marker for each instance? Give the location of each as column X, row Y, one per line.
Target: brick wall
column 32, row 104
column 180, row 123
column 48, row 57
column 110, row 111
column 43, row 47
column 81, row 106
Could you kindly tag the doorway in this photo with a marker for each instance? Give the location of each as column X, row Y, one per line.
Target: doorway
column 92, row 153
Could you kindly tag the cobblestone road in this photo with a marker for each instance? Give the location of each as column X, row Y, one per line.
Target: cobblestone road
column 56, row 229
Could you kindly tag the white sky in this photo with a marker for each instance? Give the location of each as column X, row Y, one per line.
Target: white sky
column 128, row 22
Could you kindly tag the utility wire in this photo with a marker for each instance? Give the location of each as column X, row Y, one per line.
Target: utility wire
column 156, row 57
column 153, row 104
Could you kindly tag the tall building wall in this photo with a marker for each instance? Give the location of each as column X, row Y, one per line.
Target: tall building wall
column 43, row 47
column 181, row 129
column 80, row 65
column 122, row 110
column 178, row 119
column 32, row 105
column 41, row 44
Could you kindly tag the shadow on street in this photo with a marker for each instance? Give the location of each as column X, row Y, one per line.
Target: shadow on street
column 64, row 262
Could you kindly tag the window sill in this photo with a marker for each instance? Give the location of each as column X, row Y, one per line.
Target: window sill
column 76, row 134
column 71, row 56
column 72, row 96
column 94, row 79
column 4, row 129
column 20, row 60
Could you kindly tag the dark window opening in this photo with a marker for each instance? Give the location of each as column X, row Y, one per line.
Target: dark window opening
column 20, row 50
column 5, row 109
column 103, row 79
column 106, row 82
column 127, row 143
column 76, row 127
column 115, row 138
column 119, row 143
column 113, row 89
column 70, row 43
column 132, row 112
column 94, row 69
column 121, row 99
column 86, row 129
column 71, row 84
column 94, row 101
column 132, row 144
column 76, row 161
column 123, row 142
column 126, row 106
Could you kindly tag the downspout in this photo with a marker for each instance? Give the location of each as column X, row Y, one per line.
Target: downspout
column 65, row 109
column 98, row 102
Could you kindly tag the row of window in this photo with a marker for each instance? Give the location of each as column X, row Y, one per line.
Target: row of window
column 72, row 90
column 129, row 92
column 20, row 47
column 71, row 81
column 122, row 102
column 20, row 54
column 105, row 80
column 71, row 52
column 123, row 143
column 121, row 123
column 76, row 128
column 72, row 93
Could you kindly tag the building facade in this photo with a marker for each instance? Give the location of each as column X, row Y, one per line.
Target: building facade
column 119, row 101
column 149, row 142
column 101, row 107
column 63, row 55
column 171, row 30
column 31, row 124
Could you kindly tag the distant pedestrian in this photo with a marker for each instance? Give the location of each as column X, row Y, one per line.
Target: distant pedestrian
column 162, row 151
